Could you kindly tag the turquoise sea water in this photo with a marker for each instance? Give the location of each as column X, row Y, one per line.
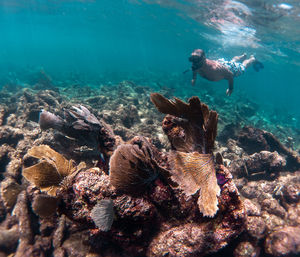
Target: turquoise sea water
column 150, row 41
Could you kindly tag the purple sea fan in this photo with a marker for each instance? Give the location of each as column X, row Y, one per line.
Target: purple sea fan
column 103, row 214
column 49, row 120
column 133, row 166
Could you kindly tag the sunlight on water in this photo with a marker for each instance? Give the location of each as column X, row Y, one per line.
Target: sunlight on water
column 92, row 37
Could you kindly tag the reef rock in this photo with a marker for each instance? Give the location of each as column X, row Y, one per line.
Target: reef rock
column 254, row 140
column 262, row 164
column 9, row 192
column 283, row 242
column 291, row 193
column 193, row 239
column 82, row 125
column 246, row 249
column 9, row 239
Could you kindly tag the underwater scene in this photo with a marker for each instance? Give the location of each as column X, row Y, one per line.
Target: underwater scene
column 147, row 128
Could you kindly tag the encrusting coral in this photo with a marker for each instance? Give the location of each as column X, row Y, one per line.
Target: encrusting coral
column 192, row 130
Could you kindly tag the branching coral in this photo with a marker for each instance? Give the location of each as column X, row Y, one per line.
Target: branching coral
column 192, row 130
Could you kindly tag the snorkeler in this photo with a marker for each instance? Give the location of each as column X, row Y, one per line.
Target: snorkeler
column 215, row 70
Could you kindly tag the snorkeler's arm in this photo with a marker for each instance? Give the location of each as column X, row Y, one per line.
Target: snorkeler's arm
column 230, row 85
column 194, row 78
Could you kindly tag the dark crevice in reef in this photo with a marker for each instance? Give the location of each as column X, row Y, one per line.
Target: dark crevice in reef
column 5, row 116
column 11, row 140
column 34, row 115
column 3, row 163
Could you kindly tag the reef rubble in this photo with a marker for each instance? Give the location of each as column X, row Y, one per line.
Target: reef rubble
column 138, row 192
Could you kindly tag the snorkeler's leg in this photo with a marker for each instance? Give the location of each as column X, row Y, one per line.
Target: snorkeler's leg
column 249, row 61
column 257, row 65
column 239, row 58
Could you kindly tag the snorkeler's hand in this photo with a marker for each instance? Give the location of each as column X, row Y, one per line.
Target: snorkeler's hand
column 193, row 82
column 229, row 91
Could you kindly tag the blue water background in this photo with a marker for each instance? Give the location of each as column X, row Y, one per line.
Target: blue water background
column 102, row 41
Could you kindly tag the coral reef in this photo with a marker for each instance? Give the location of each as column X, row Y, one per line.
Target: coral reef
column 89, row 216
column 140, row 190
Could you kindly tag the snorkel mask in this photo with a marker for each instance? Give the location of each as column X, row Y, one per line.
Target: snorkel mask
column 197, row 58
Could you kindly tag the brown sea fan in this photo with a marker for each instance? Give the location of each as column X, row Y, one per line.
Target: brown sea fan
column 132, row 166
column 52, row 168
column 197, row 124
column 193, row 172
column 191, row 129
